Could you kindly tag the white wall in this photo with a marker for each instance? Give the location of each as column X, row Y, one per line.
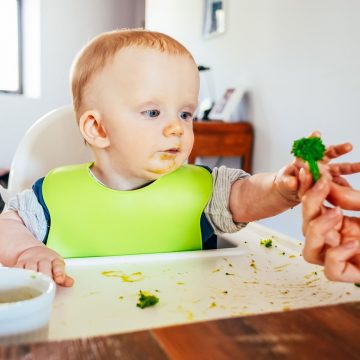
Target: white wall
column 300, row 60
column 65, row 26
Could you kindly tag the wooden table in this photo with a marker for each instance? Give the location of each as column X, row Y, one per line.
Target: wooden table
column 218, row 138
column 330, row 332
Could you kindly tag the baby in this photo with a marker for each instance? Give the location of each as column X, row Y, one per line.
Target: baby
column 135, row 93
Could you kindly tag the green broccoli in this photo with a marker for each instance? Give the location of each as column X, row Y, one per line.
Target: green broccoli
column 266, row 242
column 146, row 299
column 310, row 150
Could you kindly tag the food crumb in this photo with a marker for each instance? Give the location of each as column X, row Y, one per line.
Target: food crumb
column 266, row 242
column 212, row 305
column 146, row 299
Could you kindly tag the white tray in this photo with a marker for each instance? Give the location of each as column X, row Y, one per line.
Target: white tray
column 193, row 286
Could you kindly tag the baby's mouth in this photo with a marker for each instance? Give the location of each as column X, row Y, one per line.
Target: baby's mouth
column 174, row 150
column 170, row 153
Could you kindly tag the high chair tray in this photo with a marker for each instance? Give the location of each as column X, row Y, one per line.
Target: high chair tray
column 242, row 278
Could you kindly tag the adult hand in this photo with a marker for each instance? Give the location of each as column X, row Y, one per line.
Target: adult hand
column 331, row 239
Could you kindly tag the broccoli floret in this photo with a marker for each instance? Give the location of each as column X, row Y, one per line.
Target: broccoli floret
column 357, row 284
column 266, row 242
column 146, row 299
column 310, row 150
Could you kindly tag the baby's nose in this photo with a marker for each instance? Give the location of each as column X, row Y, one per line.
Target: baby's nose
column 174, row 128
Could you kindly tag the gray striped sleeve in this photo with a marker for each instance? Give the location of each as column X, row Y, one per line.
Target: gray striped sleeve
column 217, row 210
column 28, row 208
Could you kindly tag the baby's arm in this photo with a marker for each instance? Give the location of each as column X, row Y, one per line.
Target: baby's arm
column 19, row 248
column 266, row 194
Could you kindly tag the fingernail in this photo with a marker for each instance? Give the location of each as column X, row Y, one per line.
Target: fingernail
column 302, row 174
column 352, row 244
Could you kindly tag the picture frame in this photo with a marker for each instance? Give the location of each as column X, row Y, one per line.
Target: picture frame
column 214, row 18
column 227, row 105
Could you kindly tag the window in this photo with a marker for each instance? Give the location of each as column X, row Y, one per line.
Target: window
column 10, row 45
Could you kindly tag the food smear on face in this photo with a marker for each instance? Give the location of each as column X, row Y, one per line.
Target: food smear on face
column 18, row 294
column 167, row 156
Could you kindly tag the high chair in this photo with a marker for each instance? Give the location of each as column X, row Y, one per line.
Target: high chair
column 53, row 140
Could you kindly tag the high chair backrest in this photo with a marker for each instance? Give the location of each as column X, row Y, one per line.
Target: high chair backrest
column 53, row 140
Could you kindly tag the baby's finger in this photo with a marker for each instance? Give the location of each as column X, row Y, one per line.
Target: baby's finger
column 58, row 270
column 31, row 265
column 337, row 263
column 305, row 182
column 315, row 133
column 20, row 265
column 45, row 267
column 69, row 281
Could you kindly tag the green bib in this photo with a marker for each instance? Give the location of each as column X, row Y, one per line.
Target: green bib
column 89, row 219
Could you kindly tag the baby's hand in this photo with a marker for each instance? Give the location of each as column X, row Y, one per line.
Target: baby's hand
column 292, row 181
column 42, row 259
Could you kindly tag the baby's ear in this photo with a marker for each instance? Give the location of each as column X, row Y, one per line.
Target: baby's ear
column 92, row 129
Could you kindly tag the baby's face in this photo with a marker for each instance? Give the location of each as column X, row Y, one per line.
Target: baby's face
column 147, row 101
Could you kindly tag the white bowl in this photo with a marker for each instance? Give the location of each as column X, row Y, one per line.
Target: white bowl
column 25, row 316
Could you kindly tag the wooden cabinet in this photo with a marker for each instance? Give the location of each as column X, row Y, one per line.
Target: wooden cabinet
column 217, row 138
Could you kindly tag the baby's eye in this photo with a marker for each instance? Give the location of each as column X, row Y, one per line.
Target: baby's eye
column 185, row 115
column 151, row 113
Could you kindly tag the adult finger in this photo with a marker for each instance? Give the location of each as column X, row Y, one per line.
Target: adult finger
column 341, row 181
column 345, row 197
column 313, row 199
column 345, row 168
column 338, row 266
column 315, row 236
column 334, row 151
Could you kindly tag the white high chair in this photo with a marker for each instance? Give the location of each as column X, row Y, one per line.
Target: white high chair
column 53, row 140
